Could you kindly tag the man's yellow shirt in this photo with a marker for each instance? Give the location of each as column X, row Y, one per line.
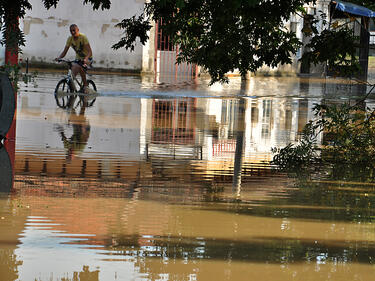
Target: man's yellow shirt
column 78, row 45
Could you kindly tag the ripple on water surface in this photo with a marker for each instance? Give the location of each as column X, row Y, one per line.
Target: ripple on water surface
column 150, row 184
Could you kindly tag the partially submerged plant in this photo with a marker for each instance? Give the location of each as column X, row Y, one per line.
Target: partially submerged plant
column 13, row 71
column 348, row 142
column 300, row 156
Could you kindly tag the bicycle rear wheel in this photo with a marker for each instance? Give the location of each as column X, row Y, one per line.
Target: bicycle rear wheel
column 63, row 94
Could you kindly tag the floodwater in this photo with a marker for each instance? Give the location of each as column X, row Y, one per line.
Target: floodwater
column 162, row 182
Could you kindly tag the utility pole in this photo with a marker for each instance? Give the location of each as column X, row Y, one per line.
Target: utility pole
column 11, row 58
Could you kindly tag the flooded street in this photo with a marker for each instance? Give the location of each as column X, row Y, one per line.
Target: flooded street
column 162, row 182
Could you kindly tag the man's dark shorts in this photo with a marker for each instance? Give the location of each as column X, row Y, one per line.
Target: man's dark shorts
column 85, row 66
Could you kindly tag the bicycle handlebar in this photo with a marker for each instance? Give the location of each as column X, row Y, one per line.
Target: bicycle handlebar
column 67, row 61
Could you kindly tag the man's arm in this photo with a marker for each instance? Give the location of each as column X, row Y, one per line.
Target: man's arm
column 63, row 53
column 89, row 53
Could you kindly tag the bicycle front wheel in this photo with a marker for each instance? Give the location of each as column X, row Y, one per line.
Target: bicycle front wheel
column 63, row 94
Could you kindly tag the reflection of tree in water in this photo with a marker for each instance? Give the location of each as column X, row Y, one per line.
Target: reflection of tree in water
column 81, row 132
column 9, row 264
column 337, row 178
column 312, row 200
column 12, row 224
column 170, row 250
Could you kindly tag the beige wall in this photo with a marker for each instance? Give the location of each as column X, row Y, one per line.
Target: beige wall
column 46, row 32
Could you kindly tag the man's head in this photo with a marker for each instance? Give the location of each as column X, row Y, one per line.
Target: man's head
column 74, row 30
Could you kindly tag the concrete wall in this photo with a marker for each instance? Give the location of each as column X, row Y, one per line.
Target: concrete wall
column 46, row 32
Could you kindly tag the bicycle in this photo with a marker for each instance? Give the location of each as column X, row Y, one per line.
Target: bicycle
column 66, row 92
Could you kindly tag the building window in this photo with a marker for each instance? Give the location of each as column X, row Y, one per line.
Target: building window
column 293, row 26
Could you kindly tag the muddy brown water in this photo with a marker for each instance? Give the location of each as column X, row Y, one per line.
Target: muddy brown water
column 172, row 182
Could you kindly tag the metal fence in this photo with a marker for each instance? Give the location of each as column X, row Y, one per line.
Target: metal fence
column 173, row 121
column 166, row 68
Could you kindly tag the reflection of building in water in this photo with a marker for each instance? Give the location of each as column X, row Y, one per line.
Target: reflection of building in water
column 173, row 121
column 137, row 136
column 268, row 123
column 271, row 123
column 173, row 128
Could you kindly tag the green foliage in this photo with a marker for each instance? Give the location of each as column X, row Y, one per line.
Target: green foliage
column 10, row 12
column 132, row 27
column 12, row 71
column 300, row 156
column 221, row 36
column 337, row 47
column 349, row 133
column 15, row 75
column 96, row 4
column 348, row 146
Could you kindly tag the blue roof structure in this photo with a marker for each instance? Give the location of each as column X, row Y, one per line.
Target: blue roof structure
column 354, row 9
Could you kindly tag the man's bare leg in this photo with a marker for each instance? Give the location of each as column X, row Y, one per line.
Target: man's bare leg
column 76, row 68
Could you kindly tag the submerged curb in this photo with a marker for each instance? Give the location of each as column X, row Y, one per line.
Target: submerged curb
column 7, row 105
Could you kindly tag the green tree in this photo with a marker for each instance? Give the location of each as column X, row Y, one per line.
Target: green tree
column 347, row 150
column 222, row 36
column 219, row 36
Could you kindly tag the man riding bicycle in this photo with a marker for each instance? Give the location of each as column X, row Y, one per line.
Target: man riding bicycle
column 79, row 42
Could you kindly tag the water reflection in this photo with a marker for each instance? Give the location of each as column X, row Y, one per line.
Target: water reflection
column 145, row 239
column 152, row 129
column 158, row 185
column 76, row 143
column 208, row 142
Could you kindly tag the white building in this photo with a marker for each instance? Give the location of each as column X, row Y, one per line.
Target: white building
column 46, row 32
